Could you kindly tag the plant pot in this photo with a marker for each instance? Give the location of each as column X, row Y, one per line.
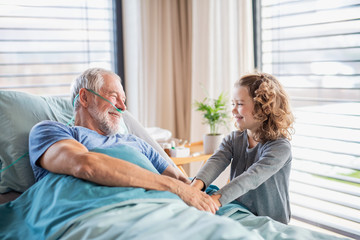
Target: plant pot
column 212, row 142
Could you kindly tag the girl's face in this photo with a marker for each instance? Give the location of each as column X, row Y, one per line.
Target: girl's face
column 242, row 110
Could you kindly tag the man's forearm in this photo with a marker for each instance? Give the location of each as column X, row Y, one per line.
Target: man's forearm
column 109, row 171
column 126, row 174
column 72, row 158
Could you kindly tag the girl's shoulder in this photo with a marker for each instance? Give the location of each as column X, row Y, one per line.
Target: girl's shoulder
column 237, row 134
column 283, row 143
column 236, row 137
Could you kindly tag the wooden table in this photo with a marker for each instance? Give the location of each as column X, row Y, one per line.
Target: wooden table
column 195, row 148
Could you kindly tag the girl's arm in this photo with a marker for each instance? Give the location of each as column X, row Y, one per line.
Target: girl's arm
column 274, row 156
column 216, row 164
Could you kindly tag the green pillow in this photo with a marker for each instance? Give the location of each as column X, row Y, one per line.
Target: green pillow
column 19, row 113
column 129, row 154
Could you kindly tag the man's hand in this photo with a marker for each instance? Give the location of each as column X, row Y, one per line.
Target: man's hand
column 198, row 184
column 175, row 173
column 185, row 180
column 194, row 197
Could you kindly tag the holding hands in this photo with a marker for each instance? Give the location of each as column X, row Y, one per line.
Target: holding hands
column 198, row 184
column 196, row 198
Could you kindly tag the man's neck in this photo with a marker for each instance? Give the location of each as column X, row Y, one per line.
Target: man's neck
column 83, row 119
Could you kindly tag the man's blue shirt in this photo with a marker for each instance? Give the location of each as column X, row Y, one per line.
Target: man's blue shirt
column 46, row 133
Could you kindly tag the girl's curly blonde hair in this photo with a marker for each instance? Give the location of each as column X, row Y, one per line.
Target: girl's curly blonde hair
column 271, row 106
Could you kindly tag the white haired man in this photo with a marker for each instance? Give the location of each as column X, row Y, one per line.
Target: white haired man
column 99, row 99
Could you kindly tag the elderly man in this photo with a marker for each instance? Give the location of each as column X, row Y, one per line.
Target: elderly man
column 99, row 99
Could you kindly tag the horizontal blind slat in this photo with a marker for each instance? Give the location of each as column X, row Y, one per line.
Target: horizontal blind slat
column 325, row 221
column 329, row 28
column 313, row 49
column 319, row 206
column 312, row 180
column 45, row 45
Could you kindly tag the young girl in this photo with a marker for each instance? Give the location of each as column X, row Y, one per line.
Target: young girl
column 259, row 152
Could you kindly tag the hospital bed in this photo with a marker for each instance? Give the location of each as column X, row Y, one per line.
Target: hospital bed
column 64, row 207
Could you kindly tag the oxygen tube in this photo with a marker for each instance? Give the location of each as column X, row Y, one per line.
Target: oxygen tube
column 24, row 155
column 117, row 109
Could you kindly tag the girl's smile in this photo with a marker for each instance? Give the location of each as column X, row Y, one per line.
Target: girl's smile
column 243, row 108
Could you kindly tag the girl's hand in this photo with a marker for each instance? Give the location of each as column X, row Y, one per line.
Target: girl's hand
column 215, row 197
column 198, row 184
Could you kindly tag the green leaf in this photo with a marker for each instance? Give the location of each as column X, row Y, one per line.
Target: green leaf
column 215, row 112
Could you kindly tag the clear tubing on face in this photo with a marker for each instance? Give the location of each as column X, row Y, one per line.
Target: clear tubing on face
column 117, row 109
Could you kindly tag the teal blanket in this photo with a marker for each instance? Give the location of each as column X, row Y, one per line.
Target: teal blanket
column 64, row 207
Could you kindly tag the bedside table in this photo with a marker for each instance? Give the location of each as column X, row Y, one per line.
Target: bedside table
column 196, row 147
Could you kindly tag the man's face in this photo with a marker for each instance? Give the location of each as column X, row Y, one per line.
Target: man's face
column 105, row 117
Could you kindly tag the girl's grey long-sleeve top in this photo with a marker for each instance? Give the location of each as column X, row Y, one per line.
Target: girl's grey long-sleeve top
column 259, row 176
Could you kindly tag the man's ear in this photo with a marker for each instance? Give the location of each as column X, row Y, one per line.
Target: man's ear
column 83, row 98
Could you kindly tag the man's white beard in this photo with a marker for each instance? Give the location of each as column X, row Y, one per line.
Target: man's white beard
column 105, row 124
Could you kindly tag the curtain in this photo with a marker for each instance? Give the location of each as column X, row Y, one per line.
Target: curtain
column 157, row 46
column 222, row 51
column 180, row 51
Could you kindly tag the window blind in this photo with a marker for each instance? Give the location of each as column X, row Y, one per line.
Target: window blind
column 44, row 45
column 313, row 48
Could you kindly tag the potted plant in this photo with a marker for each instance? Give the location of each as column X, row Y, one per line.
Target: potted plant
column 215, row 114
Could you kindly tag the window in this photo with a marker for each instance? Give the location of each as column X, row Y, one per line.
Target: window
column 313, row 48
column 44, row 45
